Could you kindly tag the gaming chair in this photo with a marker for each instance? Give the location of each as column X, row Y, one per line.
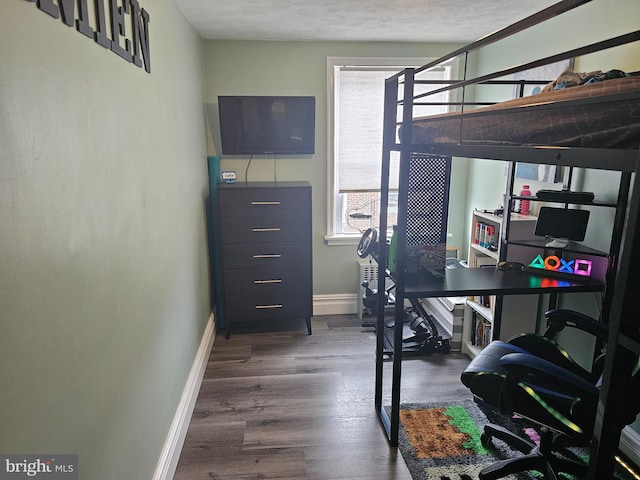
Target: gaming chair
column 534, row 377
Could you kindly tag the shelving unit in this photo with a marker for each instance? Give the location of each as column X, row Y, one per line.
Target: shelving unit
column 622, row 261
column 472, row 347
column 521, row 228
column 605, row 264
column 521, row 311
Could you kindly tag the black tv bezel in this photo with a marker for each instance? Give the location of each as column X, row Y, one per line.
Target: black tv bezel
column 248, row 151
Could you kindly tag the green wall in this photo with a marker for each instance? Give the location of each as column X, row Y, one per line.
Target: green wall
column 300, row 68
column 104, row 291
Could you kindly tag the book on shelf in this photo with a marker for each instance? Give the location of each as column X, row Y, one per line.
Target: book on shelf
column 480, row 330
column 484, row 300
column 484, row 235
column 472, row 330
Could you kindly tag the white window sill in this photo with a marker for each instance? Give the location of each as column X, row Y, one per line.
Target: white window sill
column 337, row 240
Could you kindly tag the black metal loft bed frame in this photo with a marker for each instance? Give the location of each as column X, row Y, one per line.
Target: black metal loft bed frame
column 624, row 261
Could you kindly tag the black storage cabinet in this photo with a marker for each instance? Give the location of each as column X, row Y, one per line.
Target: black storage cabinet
column 265, row 243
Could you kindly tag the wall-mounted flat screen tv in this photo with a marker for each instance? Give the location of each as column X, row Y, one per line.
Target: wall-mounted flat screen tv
column 254, row 125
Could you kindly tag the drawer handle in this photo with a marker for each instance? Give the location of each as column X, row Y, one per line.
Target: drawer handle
column 275, row 229
column 261, row 282
column 268, row 255
column 265, row 307
column 265, row 203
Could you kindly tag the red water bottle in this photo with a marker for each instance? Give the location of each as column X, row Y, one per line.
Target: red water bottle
column 525, row 204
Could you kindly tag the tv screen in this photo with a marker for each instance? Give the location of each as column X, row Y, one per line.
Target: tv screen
column 562, row 224
column 267, row 125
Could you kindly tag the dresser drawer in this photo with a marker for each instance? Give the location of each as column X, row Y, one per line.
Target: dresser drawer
column 240, row 308
column 267, row 280
column 265, row 229
column 242, row 202
column 266, row 255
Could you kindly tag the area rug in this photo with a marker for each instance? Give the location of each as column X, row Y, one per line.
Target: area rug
column 441, row 441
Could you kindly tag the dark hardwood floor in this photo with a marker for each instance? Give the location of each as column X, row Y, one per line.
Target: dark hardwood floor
column 285, row 405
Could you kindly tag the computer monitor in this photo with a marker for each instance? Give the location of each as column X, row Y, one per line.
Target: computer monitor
column 560, row 225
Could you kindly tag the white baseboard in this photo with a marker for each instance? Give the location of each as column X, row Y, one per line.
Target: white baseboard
column 166, row 467
column 335, row 304
column 630, row 444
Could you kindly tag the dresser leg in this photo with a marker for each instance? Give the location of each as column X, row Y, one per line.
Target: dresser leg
column 308, row 319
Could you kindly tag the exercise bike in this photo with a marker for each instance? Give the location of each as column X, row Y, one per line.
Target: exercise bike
column 420, row 333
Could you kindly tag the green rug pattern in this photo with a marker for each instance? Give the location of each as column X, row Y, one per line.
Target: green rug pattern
column 430, row 425
column 469, row 419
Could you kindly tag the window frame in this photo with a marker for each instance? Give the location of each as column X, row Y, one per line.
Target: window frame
column 331, row 236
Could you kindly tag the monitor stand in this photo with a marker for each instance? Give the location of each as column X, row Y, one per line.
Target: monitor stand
column 558, row 243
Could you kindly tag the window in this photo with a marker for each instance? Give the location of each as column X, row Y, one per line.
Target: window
column 355, row 117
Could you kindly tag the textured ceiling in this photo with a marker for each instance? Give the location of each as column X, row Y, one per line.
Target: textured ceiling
column 355, row 20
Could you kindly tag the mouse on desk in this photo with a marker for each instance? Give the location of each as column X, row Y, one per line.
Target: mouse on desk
column 510, row 266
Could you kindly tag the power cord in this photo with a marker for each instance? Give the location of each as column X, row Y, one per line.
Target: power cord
column 246, row 171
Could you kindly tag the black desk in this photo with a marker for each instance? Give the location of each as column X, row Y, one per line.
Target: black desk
column 490, row 280
column 456, row 282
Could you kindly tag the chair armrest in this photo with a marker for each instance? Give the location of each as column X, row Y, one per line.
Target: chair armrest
column 560, row 318
column 529, row 366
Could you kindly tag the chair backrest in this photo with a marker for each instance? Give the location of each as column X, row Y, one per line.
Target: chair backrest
column 533, row 376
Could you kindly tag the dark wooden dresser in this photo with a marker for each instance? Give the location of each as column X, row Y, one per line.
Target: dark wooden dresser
column 265, row 242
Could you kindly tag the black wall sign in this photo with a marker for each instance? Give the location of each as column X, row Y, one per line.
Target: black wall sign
column 133, row 46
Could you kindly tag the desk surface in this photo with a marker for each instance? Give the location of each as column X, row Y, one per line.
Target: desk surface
column 491, row 281
column 460, row 282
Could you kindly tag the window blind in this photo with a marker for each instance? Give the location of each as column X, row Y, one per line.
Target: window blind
column 360, row 112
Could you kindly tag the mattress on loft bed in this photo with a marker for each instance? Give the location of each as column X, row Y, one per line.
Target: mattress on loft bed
column 597, row 115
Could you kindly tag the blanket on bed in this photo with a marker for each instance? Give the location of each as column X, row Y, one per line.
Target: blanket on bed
column 602, row 114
